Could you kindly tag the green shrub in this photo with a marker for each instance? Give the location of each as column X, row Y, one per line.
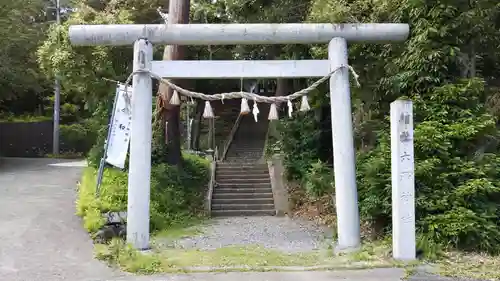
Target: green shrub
column 9, row 117
column 299, row 142
column 175, row 194
column 457, row 170
column 78, row 137
column 318, row 180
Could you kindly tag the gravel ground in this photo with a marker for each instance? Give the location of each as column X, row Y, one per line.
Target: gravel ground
column 283, row 234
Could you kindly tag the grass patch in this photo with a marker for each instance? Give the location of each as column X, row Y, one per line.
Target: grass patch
column 468, row 265
column 249, row 256
column 236, row 258
column 65, row 155
column 188, row 228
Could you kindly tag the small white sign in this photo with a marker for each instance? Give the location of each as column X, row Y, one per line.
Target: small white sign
column 119, row 138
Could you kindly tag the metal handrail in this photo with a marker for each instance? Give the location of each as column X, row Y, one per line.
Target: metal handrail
column 230, row 138
column 211, row 185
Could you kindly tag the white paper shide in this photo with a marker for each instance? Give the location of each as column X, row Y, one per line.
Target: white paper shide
column 119, row 137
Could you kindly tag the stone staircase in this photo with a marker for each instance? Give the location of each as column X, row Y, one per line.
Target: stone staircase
column 249, row 140
column 242, row 190
column 243, row 186
column 225, row 116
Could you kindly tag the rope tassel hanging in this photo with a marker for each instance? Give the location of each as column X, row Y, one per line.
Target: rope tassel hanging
column 290, row 108
column 304, row 105
column 273, row 112
column 255, row 111
column 355, row 76
column 208, row 112
column 175, row 100
column 245, row 109
column 274, row 101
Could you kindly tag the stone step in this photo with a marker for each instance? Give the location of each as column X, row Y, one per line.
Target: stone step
column 248, row 164
column 244, row 201
column 249, row 176
column 242, row 213
column 240, row 207
column 241, row 145
column 242, row 195
column 243, row 184
column 239, row 171
column 245, row 190
column 238, row 181
column 243, row 151
column 240, row 141
column 251, row 131
column 243, row 165
column 243, row 158
column 251, row 140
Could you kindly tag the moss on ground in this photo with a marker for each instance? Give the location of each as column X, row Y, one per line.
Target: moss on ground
column 165, row 258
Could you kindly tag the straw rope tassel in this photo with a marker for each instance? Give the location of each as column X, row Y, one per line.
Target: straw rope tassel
column 245, row 109
column 255, row 111
column 175, row 100
column 273, row 112
column 304, row 105
column 208, row 112
column 290, row 108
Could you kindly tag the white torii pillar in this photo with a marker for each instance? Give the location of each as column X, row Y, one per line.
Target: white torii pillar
column 336, row 35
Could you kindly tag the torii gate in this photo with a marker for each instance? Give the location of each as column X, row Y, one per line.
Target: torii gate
column 336, row 35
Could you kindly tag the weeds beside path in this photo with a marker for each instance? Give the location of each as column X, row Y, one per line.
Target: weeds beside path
column 273, row 244
column 242, row 244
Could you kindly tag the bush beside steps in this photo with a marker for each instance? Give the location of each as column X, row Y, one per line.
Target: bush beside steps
column 176, row 195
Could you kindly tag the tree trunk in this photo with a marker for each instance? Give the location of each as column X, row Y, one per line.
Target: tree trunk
column 282, row 89
column 197, row 125
column 178, row 12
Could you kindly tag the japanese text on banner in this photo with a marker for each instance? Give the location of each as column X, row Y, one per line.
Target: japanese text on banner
column 119, row 137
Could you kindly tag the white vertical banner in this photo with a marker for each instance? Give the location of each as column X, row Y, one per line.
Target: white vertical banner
column 403, row 181
column 119, row 137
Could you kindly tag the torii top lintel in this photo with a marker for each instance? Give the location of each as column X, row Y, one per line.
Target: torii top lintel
column 232, row 34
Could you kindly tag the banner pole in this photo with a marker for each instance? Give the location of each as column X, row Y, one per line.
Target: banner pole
column 106, row 142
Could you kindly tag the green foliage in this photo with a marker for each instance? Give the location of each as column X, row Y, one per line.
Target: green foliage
column 176, row 194
column 456, row 140
column 300, row 149
column 81, row 69
column 129, row 259
column 23, row 118
column 318, row 180
column 21, row 29
column 78, row 137
column 457, row 170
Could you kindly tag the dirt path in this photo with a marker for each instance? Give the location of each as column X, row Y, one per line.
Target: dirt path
column 40, row 237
